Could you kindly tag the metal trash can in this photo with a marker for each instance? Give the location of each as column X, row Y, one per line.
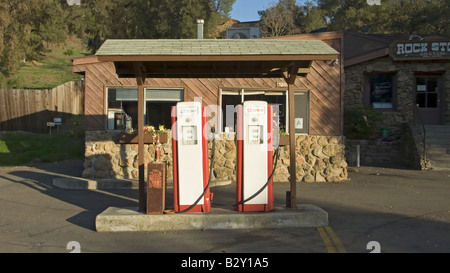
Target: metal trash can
column 385, row 133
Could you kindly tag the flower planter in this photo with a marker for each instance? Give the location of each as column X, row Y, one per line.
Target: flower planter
column 148, row 138
column 284, row 140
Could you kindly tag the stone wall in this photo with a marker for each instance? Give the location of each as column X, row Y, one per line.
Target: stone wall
column 404, row 145
column 404, row 90
column 105, row 157
column 401, row 150
column 318, row 158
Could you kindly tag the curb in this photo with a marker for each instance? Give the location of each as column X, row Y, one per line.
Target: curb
column 115, row 219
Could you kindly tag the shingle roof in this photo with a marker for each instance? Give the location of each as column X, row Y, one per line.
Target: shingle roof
column 209, row 47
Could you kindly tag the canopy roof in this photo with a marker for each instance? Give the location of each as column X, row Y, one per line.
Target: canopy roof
column 209, row 47
column 213, row 58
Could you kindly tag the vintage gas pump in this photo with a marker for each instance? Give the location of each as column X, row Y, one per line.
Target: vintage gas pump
column 254, row 157
column 190, row 158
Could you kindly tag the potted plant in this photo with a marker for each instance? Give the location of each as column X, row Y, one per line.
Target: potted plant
column 284, row 138
column 151, row 135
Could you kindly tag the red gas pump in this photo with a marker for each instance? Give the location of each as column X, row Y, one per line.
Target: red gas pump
column 190, row 158
column 254, row 157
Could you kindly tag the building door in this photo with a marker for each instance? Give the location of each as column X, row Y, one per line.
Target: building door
column 429, row 100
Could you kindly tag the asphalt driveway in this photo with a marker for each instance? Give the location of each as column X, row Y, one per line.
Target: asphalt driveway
column 378, row 209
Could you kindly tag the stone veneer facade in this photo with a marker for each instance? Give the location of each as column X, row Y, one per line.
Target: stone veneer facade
column 404, row 92
column 405, row 145
column 319, row 158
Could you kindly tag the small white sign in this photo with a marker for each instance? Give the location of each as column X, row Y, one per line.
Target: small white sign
column 57, row 121
column 421, row 88
column 299, row 123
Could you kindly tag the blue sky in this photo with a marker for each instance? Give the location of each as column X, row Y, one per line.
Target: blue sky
column 247, row 10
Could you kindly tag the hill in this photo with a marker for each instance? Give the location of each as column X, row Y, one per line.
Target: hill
column 55, row 68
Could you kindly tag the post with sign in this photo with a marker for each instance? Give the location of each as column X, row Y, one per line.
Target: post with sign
column 57, row 122
column 156, row 185
column 50, row 125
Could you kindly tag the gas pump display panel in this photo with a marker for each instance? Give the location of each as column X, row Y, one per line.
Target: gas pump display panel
column 189, row 135
column 255, row 134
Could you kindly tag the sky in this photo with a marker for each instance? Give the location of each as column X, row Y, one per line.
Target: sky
column 247, row 10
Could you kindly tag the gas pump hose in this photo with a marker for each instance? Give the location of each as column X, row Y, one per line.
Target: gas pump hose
column 276, row 156
column 213, row 151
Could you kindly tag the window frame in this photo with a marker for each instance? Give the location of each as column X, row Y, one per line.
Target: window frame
column 367, row 97
column 427, row 77
column 253, row 91
column 147, row 100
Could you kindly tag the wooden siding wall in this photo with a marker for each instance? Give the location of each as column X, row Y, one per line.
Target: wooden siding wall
column 30, row 109
column 324, row 82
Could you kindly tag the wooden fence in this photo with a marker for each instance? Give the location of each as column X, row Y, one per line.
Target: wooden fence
column 30, row 109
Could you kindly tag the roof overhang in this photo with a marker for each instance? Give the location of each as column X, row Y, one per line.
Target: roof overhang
column 213, row 58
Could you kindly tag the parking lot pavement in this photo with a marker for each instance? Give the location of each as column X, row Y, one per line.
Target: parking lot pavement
column 401, row 210
column 378, row 209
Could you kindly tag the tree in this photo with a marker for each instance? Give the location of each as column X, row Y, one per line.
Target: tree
column 311, row 18
column 401, row 16
column 421, row 17
column 28, row 27
column 150, row 19
column 279, row 19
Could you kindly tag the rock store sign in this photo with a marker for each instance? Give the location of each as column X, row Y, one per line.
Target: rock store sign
column 420, row 50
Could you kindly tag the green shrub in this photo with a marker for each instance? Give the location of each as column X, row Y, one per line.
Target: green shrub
column 361, row 122
column 68, row 52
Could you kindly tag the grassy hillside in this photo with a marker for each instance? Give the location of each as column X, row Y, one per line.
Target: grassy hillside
column 54, row 69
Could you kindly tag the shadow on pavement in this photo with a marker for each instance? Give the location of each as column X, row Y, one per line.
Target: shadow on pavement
column 40, row 178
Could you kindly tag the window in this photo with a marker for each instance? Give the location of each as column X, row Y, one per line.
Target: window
column 159, row 103
column 123, row 107
column 427, row 92
column 232, row 98
column 381, row 89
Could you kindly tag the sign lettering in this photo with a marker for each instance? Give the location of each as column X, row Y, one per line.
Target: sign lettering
column 420, row 50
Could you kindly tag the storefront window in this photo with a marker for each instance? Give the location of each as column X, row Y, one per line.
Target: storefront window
column 381, row 91
column 232, row 98
column 427, row 92
column 123, row 107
